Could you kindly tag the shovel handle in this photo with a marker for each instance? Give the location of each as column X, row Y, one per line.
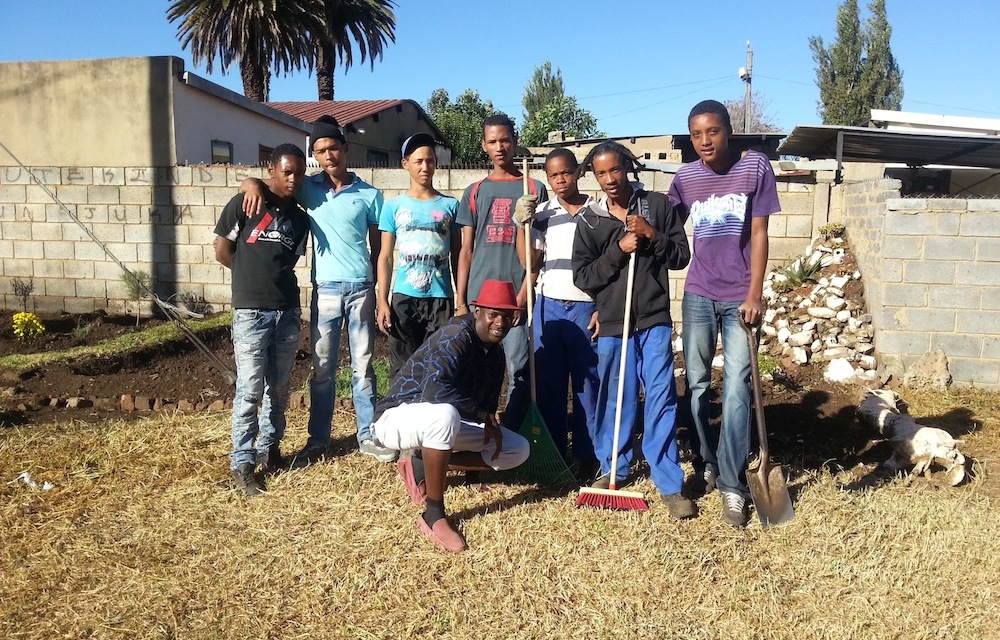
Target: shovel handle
column 753, row 338
column 525, row 167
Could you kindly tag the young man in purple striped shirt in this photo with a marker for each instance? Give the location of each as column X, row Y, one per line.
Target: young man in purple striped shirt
column 728, row 199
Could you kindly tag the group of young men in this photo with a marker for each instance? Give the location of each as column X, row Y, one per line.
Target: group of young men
column 450, row 348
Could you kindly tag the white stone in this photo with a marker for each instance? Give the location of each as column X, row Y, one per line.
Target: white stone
column 864, row 347
column 835, row 303
column 823, row 282
column 822, row 312
column 839, row 370
column 816, row 346
column 769, row 316
column 809, row 325
column 870, row 375
column 856, row 275
column 769, row 330
column 800, row 339
column 717, row 362
column 867, row 362
column 800, row 355
column 805, row 304
column 782, row 323
column 853, row 324
column 835, row 291
column 783, row 334
column 843, row 315
column 836, row 353
column 840, row 281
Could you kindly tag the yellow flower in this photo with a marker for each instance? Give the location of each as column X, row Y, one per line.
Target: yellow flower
column 27, row 326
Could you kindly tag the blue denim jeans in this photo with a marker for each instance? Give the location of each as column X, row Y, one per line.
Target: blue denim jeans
column 564, row 354
column 649, row 360
column 333, row 303
column 515, row 349
column 725, row 450
column 264, row 343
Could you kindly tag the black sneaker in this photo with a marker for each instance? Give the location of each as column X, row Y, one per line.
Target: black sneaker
column 734, row 509
column 271, row 459
column 678, row 506
column 309, row 455
column 247, row 481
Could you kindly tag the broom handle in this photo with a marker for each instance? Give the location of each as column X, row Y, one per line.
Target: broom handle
column 527, row 275
column 629, row 281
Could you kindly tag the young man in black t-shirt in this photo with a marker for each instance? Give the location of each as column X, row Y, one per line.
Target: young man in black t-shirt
column 262, row 250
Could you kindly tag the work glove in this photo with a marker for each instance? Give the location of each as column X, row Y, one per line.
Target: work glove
column 524, row 210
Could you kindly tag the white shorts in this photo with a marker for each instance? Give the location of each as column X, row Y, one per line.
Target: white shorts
column 439, row 426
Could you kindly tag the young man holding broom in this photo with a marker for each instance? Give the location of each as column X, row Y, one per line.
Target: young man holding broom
column 443, row 402
column 630, row 220
column 489, row 252
column 728, row 199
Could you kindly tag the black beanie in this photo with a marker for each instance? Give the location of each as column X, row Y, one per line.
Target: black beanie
column 327, row 127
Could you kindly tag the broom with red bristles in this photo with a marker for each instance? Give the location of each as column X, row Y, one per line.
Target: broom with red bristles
column 612, row 498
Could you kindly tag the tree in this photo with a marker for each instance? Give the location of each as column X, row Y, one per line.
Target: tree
column 368, row 23
column 259, row 34
column 760, row 120
column 562, row 114
column 858, row 71
column 543, row 88
column 548, row 108
column 461, row 122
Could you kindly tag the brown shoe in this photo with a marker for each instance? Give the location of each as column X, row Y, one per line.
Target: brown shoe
column 443, row 535
column 679, row 506
column 418, row 492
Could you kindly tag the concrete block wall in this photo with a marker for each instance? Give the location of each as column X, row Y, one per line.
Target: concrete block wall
column 932, row 277
column 161, row 220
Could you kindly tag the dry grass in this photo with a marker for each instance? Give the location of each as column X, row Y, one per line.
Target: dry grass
column 143, row 538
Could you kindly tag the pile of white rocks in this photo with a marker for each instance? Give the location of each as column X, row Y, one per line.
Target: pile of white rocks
column 819, row 322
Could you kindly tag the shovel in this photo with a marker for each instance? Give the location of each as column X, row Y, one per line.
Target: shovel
column 766, row 480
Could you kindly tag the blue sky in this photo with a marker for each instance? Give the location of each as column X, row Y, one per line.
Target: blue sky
column 637, row 65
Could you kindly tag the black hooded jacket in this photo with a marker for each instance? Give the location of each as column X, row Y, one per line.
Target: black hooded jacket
column 600, row 266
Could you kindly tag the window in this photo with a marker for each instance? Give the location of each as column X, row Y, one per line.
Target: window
column 222, row 152
column 264, row 155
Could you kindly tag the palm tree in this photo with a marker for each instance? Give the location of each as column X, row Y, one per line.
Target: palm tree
column 370, row 23
column 260, row 34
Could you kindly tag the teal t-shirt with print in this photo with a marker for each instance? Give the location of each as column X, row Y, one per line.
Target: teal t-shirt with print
column 423, row 231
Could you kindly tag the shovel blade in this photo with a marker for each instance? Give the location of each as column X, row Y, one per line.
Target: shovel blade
column 770, row 494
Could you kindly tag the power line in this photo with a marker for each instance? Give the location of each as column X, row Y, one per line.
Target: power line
column 625, row 93
column 602, row 118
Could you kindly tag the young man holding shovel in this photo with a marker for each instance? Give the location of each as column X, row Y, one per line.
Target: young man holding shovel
column 488, row 250
column 630, row 220
column 443, row 402
column 728, row 199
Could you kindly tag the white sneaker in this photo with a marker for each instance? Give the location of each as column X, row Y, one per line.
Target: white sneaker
column 734, row 509
column 382, row 454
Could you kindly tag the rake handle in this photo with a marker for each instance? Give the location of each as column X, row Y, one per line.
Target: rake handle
column 531, row 289
column 627, row 320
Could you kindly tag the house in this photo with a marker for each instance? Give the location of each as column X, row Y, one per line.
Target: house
column 375, row 129
column 141, row 112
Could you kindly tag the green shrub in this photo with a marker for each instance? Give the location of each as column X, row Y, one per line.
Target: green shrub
column 832, row 230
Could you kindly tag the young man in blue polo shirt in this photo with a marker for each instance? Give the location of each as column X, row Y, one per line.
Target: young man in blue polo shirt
column 343, row 212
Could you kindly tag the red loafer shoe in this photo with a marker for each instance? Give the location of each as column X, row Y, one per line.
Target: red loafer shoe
column 418, row 492
column 443, row 535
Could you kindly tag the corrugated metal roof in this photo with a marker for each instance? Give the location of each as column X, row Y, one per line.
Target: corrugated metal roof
column 861, row 144
column 345, row 111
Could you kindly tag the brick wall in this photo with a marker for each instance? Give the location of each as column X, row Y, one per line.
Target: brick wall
column 932, row 278
column 161, row 220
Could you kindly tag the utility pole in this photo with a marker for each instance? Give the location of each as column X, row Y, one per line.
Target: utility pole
column 746, row 75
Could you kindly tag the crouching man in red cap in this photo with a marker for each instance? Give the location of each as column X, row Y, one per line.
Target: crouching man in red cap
column 443, row 403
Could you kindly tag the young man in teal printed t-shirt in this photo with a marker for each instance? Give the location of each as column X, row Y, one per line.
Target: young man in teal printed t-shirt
column 421, row 225
column 728, row 199
column 489, row 252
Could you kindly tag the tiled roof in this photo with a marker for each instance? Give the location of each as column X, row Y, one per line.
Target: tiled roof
column 345, row 111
